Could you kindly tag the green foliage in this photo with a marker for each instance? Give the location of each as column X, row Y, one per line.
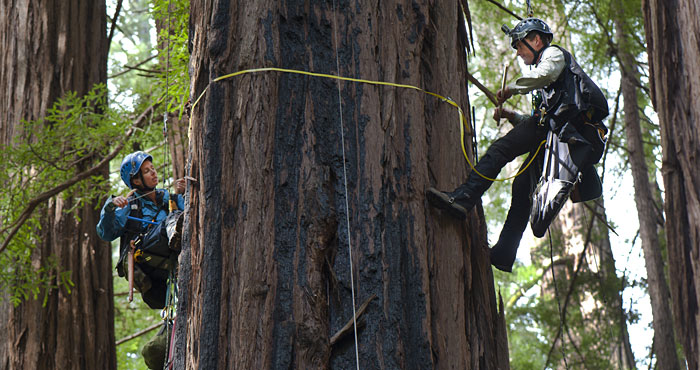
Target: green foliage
column 46, row 153
column 140, row 88
column 174, row 50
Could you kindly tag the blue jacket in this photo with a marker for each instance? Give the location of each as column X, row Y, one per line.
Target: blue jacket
column 112, row 223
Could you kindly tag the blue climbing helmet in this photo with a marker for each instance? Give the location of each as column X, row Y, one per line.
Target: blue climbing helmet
column 131, row 165
column 524, row 27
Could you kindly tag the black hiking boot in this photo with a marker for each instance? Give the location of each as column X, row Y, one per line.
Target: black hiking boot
column 503, row 254
column 457, row 203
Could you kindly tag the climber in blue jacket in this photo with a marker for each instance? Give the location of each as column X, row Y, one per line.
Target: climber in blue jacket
column 146, row 217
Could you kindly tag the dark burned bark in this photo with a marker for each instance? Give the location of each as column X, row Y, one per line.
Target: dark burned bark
column 265, row 281
column 672, row 29
column 48, row 49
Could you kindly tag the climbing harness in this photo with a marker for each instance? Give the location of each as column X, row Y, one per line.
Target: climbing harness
column 142, row 220
column 472, row 119
column 559, row 175
column 130, row 271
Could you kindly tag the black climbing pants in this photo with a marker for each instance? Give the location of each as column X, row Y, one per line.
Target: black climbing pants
column 523, row 138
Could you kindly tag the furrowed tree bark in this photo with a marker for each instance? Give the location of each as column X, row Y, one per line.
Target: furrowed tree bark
column 659, row 293
column 265, row 278
column 672, row 43
column 49, row 48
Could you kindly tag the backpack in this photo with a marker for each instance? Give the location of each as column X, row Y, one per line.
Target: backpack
column 572, row 94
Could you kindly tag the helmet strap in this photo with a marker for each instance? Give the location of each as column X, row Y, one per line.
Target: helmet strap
column 535, row 53
column 143, row 187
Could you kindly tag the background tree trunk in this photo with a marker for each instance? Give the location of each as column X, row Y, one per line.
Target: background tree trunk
column 50, row 48
column 659, row 294
column 265, row 279
column 672, row 31
column 589, row 292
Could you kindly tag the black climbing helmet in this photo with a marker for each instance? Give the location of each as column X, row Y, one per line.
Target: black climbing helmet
column 524, row 27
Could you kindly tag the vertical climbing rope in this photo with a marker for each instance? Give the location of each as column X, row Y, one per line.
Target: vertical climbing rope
column 165, row 101
column 345, row 184
column 169, row 312
column 562, row 321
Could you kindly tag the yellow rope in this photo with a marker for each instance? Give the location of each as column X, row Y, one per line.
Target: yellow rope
column 462, row 119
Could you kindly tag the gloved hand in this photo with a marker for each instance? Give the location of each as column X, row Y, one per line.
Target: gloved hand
column 119, row 201
column 506, row 113
column 503, row 95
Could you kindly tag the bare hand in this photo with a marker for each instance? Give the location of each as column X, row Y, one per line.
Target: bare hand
column 503, row 95
column 180, row 185
column 506, row 113
column 120, row 201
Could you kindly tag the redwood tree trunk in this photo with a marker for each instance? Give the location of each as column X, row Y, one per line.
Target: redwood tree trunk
column 265, row 279
column 50, row 48
column 659, row 294
column 672, row 43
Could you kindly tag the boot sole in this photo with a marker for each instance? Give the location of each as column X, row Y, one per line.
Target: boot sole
column 502, row 267
column 442, row 201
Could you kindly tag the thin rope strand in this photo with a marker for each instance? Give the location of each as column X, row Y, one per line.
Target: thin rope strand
column 562, row 322
column 165, row 100
column 345, row 184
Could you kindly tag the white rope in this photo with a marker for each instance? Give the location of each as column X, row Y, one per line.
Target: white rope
column 345, row 183
column 165, row 100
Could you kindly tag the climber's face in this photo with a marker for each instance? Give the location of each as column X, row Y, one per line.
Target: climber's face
column 525, row 52
column 148, row 174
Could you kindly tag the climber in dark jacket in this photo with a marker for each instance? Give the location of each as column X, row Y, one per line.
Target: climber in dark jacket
column 566, row 102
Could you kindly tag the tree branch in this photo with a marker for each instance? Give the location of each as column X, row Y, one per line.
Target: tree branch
column 138, row 334
column 114, row 24
column 601, row 218
column 483, row 88
column 32, row 204
column 505, row 9
column 346, row 329
column 576, row 349
column 130, row 68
